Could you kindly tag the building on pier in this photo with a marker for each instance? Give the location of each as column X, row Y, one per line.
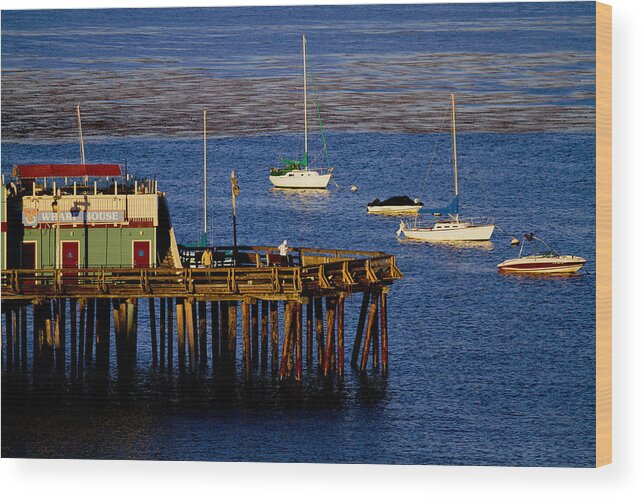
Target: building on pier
column 83, row 216
column 86, row 242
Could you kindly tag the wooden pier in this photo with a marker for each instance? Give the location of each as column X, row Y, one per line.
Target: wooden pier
column 194, row 313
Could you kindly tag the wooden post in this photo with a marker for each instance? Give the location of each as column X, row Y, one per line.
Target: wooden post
column 232, row 334
column 330, row 332
column 116, row 312
column 44, row 312
column 224, row 320
column 102, row 333
column 203, row 334
column 180, row 327
column 214, row 311
column 255, row 335
column 189, row 321
column 245, row 331
column 170, row 333
column 38, row 335
column 58, row 306
column 131, row 331
column 82, row 305
column 369, row 331
column 162, row 332
column 291, row 340
column 285, row 353
column 340, row 337
column 274, row 336
column 319, row 326
column 298, row 340
column 23, row 334
column 73, row 335
column 89, row 330
column 376, row 340
column 309, row 333
column 15, row 319
column 264, row 335
column 48, row 338
column 384, row 328
column 360, row 329
column 152, row 308
column 9, row 333
column 62, row 332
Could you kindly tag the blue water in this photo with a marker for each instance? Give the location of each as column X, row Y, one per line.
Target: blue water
column 485, row 369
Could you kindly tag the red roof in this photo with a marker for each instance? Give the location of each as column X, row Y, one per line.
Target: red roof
column 69, row 170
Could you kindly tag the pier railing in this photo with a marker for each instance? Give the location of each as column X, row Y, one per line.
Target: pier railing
column 309, row 272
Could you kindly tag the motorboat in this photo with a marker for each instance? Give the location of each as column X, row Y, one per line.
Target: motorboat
column 541, row 262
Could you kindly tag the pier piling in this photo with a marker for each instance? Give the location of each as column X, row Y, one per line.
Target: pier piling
column 152, row 310
column 245, row 340
column 180, row 331
column 274, row 336
column 96, row 297
column 214, row 318
column 384, row 328
column 203, row 334
column 319, row 331
column 340, row 337
column 170, row 333
column 162, row 333
column 265, row 314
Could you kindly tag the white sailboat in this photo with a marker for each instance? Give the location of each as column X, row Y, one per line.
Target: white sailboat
column 453, row 228
column 297, row 174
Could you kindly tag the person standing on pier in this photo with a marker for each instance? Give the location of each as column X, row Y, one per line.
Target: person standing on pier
column 206, row 258
column 283, row 252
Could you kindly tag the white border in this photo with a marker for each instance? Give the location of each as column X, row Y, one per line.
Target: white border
column 104, row 479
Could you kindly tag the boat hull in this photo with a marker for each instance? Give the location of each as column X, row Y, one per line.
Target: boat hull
column 393, row 210
column 464, row 233
column 538, row 265
column 304, row 179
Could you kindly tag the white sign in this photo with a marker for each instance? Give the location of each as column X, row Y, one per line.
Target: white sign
column 32, row 217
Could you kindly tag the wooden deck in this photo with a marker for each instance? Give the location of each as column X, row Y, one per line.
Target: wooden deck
column 257, row 275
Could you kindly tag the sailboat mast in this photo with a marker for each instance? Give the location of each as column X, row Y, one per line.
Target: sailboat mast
column 80, row 135
column 455, row 151
column 305, row 105
column 205, row 177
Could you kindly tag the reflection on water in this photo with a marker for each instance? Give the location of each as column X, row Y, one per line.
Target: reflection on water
column 481, row 245
column 301, row 193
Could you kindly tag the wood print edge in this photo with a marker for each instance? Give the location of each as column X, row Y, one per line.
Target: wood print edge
column 603, row 234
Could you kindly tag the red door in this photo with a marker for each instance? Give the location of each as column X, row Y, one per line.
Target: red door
column 141, row 254
column 28, row 260
column 70, row 250
column 28, row 255
column 70, row 259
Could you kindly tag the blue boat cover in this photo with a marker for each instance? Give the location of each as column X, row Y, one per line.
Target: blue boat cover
column 451, row 209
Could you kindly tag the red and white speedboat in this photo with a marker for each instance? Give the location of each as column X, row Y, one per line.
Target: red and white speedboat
column 548, row 262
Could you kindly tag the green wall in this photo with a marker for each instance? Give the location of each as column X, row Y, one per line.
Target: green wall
column 107, row 246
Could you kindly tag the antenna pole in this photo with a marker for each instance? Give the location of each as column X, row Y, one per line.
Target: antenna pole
column 205, row 177
column 80, row 135
column 455, row 152
column 305, row 105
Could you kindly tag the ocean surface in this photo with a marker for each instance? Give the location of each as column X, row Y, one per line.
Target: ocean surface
column 485, row 369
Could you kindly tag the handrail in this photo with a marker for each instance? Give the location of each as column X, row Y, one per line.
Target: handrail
column 340, row 275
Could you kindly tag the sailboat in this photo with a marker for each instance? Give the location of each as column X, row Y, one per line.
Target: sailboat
column 296, row 174
column 452, row 228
